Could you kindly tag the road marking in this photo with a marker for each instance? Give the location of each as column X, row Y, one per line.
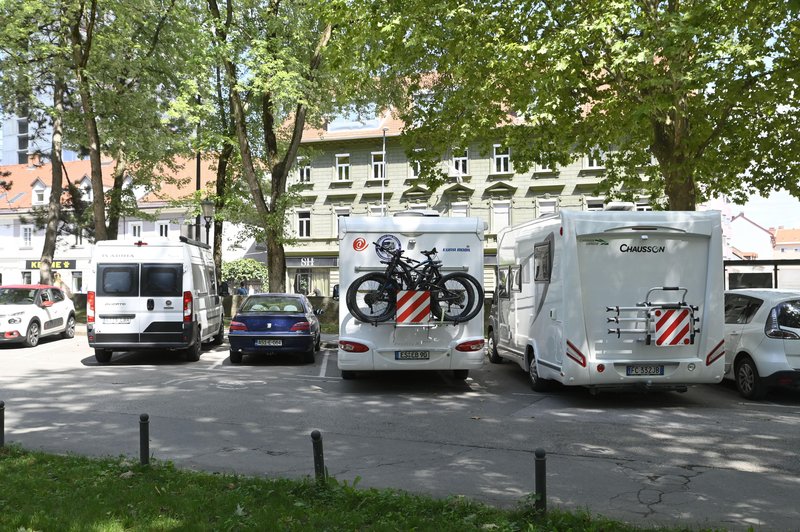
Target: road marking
column 324, row 367
column 218, row 363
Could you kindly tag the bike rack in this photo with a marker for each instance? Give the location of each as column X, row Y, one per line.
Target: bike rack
column 645, row 312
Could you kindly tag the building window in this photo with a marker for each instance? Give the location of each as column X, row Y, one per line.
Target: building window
column 594, row 161
column 595, row 204
column 304, row 224
column 163, row 229
column 77, row 281
column 547, row 206
column 86, row 190
column 26, row 277
column 501, row 215
column 38, row 195
column 502, row 159
column 27, row 236
column 377, row 210
column 339, row 212
column 135, row 229
column 459, row 209
column 303, row 170
column 461, row 162
column 378, row 165
column 343, row 166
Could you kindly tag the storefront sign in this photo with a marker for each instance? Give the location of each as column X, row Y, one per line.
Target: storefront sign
column 68, row 264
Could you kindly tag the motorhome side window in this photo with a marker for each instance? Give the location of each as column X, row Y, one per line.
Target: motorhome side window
column 515, row 279
column 162, row 280
column 199, row 279
column 502, row 282
column 542, row 262
column 525, row 271
column 120, row 280
column 212, row 280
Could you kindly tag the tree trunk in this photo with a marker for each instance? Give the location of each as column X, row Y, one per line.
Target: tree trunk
column 276, row 260
column 115, row 203
column 677, row 168
column 222, row 170
column 54, row 205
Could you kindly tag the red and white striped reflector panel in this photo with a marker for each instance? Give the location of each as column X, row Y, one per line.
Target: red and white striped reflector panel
column 673, row 327
column 413, row 306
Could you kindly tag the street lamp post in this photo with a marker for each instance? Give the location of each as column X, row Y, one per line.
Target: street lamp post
column 207, row 207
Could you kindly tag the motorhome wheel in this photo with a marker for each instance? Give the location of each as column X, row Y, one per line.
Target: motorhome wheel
column 103, row 356
column 494, row 356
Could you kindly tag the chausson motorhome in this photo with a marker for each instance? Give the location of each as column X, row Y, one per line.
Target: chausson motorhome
column 611, row 298
column 411, row 338
column 155, row 294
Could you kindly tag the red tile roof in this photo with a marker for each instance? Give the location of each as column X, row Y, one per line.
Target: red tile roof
column 787, row 236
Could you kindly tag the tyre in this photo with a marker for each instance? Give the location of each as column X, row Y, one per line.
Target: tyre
column 372, row 298
column 478, row 292
column 460, row 374
column 538, row 384
column 220, row 336
column 318, row 343
column 69, row 331
column 748, row 381
column 103, row 356
column 453, row 299
column 494, row 356
column 308, row 356
column 192, row 353
column 236, row 357
column 348, row 375
column 32, row 336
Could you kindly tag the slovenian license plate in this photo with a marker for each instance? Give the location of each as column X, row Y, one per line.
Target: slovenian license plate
column 116, row 321
column 644, row 369
column 269, row 343
column 412, row 355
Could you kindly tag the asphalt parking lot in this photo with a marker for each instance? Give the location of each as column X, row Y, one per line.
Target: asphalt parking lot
column 703, row 458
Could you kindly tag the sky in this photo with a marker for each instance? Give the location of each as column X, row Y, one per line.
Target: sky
column 779, row 209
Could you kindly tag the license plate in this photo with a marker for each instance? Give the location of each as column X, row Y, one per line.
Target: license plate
column 269, row 343
column 644, row 370
column 116, row 321
column 412, row 355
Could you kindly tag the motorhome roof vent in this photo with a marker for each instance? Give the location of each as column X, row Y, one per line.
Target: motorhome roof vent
column 620, row 206
column 426, row 212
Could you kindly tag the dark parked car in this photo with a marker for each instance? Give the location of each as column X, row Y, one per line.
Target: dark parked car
column 275, row 323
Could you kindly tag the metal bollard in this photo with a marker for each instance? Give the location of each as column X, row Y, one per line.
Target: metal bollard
column 319, row 460
column 540, row 482
column 144, row 439
column 2, row 424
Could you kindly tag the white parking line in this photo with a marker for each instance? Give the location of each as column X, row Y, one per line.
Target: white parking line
column 324, row 366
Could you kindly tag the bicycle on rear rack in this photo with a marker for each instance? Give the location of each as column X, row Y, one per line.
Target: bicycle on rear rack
column 454, row 297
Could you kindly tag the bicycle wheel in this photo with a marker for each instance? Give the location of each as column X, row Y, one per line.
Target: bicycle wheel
column 372, row 298
column 479, row 294
column 452, row 299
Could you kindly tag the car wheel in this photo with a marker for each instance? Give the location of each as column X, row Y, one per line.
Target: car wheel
column 103, row 356
column 494, row 356
column 308, row 356
column 348, row 375
column 236, row 357
column 69, row 332
column 32, row 336
column 220, row 336
column 317, row 343
column 460, row 374
column 748, row 381
column 538, row 384
column 193, row 352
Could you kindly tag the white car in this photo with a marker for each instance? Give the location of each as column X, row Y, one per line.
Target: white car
column 762, row 339
column 29, row 312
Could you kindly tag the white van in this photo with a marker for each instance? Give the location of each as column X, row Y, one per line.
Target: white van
column 158, row 294
column 419, row 342
column 611, row 298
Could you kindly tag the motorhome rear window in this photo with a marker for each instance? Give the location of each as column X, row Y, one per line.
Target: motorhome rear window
column 162, row 280
column 120, row 280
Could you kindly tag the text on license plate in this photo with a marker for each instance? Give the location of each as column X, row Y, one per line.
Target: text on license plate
column 269, row 343
column 644, row 369
column 116, row 321
column 412, row 355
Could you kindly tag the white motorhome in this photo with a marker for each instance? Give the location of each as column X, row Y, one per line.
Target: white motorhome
column 418, row 342
column 154, row 294
column 611, row 298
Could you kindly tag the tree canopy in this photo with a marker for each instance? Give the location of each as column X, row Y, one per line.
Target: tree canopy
column 683, row 99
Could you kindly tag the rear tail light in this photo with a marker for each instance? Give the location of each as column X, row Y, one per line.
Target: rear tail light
column 773, row 327
column 353, row 347
column 187, row 306
column 716, row 353
column 575, row 354
column 237, row 326
column 472, row 345
column 90, row 307
column 301, row 326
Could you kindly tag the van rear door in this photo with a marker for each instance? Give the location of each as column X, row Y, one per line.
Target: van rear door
column 161, row 315
column 116, row 300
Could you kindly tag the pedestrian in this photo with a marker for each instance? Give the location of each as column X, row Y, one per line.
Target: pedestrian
column 241, row 291
column 59, row 283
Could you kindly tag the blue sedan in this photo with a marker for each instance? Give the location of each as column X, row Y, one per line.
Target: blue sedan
column 275, row 323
